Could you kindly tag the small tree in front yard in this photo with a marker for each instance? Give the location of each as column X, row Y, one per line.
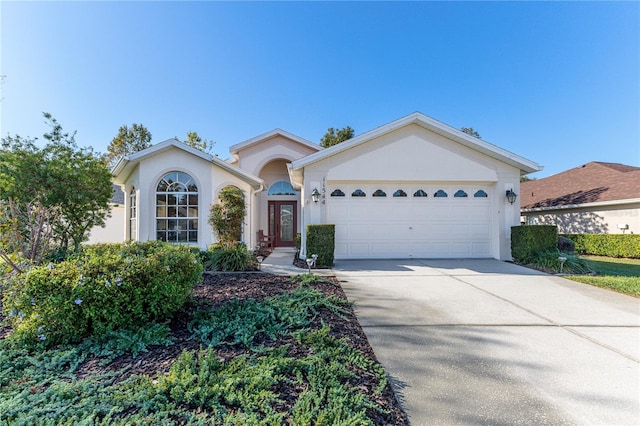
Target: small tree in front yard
column 227, row 215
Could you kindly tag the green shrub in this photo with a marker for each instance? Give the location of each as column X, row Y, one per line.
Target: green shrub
column 230, row 258
column 610, row 245
column 107, row 288
column 549, row 260
column 566, row 245
column 240, row 322
column 321, row 241
column 528, row 241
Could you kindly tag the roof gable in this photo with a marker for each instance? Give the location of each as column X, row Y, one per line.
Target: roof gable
column 593, row 182
column 127, row 164
column 526, row 166
column 234, row 149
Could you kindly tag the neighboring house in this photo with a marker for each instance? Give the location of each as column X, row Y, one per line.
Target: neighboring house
column 595, row 198
column 412, row 188
column 113, row 230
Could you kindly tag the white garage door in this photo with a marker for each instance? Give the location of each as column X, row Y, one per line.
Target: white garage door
column 411, row 221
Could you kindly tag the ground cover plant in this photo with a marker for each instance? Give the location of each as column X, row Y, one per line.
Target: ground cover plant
column 622, row 275
column 247, row 349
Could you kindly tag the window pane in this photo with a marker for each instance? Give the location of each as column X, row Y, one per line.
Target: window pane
column 179, row 203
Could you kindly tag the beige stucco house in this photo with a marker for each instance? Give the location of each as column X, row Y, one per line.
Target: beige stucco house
column 414, row 187
column 593, row 198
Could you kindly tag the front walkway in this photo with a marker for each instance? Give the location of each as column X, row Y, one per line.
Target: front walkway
column 280, row 262
column 488, row 342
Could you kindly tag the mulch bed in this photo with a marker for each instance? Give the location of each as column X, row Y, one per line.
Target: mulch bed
column 217, row 289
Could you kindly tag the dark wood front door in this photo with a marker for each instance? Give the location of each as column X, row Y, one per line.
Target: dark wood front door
column 283, row 222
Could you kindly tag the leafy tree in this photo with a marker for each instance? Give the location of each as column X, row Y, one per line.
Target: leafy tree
column 50, row 197
column 128, row 141
column 526, row 178
column 470, row 131
column 194, row 140
column 334, row 137
column 227, row 215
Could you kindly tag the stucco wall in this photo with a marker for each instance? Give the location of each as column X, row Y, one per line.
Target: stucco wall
column 414, row 154
column 113, row 231
column 209, row 178
column 254, row 157
column 596, row 220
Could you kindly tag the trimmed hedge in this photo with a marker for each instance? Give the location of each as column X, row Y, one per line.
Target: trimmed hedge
column 611, row 245
column 528, row 241
column 321, row 240
column 107, row 288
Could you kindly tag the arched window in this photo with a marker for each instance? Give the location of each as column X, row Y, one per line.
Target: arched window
column 358, row 193
column 480, row 194
column 337, row 193
column 133, row 215
column 460, row 194
column 399, row 193
column 379, row 193
column 177, row 209
column 281, row 188
column 419, row 193
column 440, row 193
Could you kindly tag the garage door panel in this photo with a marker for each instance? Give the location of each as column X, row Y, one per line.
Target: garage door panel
column 402, row 227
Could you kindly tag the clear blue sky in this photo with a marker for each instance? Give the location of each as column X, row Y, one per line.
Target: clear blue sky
column 557, row 83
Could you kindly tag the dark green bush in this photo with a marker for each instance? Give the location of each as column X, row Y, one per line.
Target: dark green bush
column 107, row 288
column 528, row 241
column 566, row 245
column 321, row 241
column 611, row 245
column 230, row 258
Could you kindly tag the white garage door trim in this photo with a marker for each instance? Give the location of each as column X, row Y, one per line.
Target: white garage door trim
column 400, row 227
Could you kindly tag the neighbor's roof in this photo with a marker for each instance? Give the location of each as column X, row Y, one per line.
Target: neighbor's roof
column 594, row 182
column 526, row 166
column 126, row 164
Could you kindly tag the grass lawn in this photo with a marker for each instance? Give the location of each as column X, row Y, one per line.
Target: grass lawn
column 621, row 275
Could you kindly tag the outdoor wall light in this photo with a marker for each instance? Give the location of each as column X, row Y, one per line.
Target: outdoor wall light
column 315, row 195
column 511, row 196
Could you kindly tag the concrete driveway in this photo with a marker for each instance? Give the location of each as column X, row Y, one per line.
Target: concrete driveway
column 488, row 342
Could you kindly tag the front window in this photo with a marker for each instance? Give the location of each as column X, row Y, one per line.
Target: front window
column 177, row 209
column 133, row 215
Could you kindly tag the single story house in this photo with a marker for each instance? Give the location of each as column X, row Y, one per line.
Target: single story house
column 595, row 198
column 412, row 188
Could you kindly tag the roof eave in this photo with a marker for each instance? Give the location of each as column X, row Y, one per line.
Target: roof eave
column 582, row 206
